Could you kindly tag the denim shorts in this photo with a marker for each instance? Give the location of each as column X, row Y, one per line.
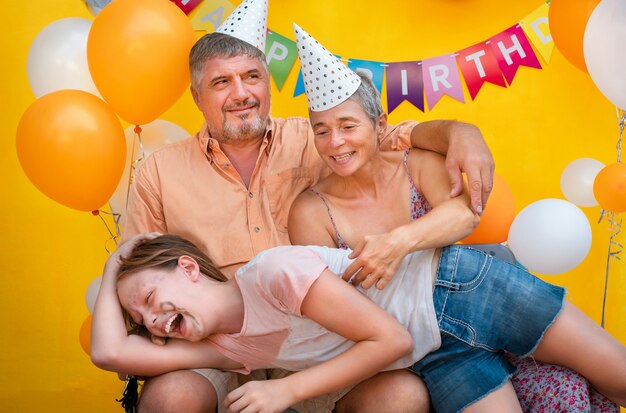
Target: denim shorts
column 485, row 307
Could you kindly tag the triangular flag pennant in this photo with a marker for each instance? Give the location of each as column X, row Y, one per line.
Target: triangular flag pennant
column 210, row 14
column 536, row 27
column 404, row 82
column 479, row 65
column 441, row 77
column 186, row 5
column 281, row 53
column 513, row 50
column 373, row 70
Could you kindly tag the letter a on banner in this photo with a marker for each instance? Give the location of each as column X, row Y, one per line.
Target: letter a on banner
column 513, row 50
column 210, row 14
column 404, row 82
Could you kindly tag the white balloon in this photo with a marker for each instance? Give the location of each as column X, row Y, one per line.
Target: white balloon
column 92, row 293
column 577, row 181
column 550, row 236
column 154, row 135
column 604, row 50
column 57, row 58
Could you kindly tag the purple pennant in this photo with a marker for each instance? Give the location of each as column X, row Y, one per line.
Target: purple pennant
column 404, row 82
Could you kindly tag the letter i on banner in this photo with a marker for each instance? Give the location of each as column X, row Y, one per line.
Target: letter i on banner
column 404, row 82
column 441, row 77
column 210, row 14
column 537, row 30
column 513, row 50
column 280, row 53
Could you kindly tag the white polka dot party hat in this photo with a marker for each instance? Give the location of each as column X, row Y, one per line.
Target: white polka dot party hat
column 327, row 81
column 248, row 22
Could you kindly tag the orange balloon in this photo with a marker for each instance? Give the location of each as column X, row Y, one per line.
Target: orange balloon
column 72, row 148
column 609, row 187
column 567, row 20
column 498, row 215
column 138, row 54
column 84, row 335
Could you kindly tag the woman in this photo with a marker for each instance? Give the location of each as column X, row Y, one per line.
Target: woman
column 371, row 201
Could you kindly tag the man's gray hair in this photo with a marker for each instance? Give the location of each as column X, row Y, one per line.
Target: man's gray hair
column 218, row 45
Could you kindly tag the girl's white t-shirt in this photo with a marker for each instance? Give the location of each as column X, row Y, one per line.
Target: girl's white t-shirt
column 276, row 334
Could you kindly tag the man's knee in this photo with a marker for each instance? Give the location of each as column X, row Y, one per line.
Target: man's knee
column 398, row 391
column 179, row 391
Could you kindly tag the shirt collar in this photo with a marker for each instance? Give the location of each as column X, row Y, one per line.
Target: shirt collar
column 208, row 145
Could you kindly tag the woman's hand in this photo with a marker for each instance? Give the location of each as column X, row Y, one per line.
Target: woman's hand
column 113, row 263
column 266, row 396
column 376, row 260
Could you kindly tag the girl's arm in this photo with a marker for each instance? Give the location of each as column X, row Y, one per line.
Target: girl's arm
column 450, row 220
column 113, row 349
column 379, row 341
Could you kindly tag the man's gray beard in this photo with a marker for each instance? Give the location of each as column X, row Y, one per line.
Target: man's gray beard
column 247, row 132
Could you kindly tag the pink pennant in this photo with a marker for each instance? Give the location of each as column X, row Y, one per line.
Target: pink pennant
column 479, row 65
column 186, row 5
column 441, row 77
column 512, row 49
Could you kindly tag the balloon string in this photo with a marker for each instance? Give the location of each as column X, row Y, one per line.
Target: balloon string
column 621, row 120
column 113, row 237
column 134, row 161
column 615, row 223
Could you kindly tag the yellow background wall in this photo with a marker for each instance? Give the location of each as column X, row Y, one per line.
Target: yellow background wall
column 50, row 253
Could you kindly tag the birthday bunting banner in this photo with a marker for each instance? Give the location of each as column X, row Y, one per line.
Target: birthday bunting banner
column 421, row 82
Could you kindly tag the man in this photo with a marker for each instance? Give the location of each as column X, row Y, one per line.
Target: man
column 229, row 189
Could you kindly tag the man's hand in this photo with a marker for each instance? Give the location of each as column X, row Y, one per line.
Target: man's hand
column 269, row 396
column 468, row 153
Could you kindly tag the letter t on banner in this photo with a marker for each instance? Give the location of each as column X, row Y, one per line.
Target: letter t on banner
column 404, row 82
column 479, row 65
column 513, row 50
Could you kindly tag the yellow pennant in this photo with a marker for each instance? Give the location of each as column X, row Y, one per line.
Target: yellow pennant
column 210, row 14
column 536, row 27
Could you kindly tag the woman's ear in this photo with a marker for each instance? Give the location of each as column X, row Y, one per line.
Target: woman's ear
column 381, row 123
column 189, row 266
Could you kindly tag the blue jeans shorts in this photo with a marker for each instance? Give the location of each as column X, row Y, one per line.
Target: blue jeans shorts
column 485, row 307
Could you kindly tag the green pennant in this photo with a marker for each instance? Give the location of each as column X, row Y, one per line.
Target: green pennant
column 281, row 54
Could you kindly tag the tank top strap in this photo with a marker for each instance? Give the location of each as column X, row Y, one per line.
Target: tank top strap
column 340, row 242
column 419, row 204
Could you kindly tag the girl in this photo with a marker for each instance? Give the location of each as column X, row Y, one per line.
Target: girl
column 287, row 309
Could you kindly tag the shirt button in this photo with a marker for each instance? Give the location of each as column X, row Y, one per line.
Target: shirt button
column 250, row 195
column 226, row 166
column 257, row 229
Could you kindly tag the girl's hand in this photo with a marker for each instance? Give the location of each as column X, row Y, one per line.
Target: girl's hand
column 268, row 396
column 113, row 263
column 376, row 260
